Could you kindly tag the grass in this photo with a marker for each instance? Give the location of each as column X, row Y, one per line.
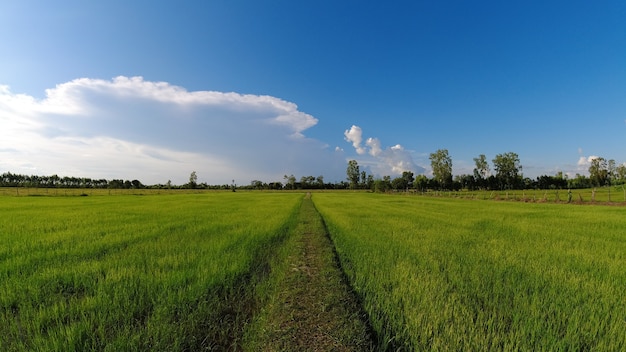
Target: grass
column 308, row 305
column 613, row 195
column 173, row 272
column 454, row 274
column 218, row 271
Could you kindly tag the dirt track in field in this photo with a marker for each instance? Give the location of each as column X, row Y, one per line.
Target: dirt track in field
column 315, row 309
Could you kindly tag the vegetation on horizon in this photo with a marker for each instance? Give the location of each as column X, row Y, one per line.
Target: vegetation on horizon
column 508, row 175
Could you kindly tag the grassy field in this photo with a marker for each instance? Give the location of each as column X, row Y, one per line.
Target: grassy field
column 167, row 272
column 613, row 195
column 72, row 192
column 190, row 270
column 444, row 274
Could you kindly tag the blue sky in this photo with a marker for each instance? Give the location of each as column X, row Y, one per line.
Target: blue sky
column 254, row 90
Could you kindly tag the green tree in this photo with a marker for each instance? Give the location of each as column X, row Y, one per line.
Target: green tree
column 290, row 181
column 320, row 181
column 193, row 180
column 256, row 184
column 611, row 170
column 620, row 173
column 421, row 183
column 353, row 174
column 382, row 185
column 598, row 171
column 399, row 183
column 370, row 181
column 441, row 164
column 408, row 178
column 508, row 170
column 481, row 171
column 465, row 181
column 307, row 182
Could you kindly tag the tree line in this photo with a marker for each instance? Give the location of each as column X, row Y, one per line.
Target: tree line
column 9, row 179
column 505, row 172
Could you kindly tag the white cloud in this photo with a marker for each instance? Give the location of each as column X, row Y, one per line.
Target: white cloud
column 374, row 145
column 585, row 161
column 354, row 135
column 153, row 131
column 389, row 161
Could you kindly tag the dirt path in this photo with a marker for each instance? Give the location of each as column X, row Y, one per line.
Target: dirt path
column 313, row 309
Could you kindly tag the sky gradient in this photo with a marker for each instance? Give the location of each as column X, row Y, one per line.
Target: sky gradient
column 246, row 90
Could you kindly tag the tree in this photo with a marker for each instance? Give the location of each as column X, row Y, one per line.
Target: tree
column 353, row 173
column 398, row 183
column 408, row 178
column 370, row 182
column 363, row 181
column 552, row 182
column 508, row 170
column 382, row 185
column 465, row 181
column 441, row 164
column 290, row 181
column 620, row 173
column 320, row 181
column 307, row 182
column 256, row 184
column 275, row 185
column 598, row 171
column 579, row 181
column 421, row 182
column 481, row 171
column 193, row 180
column 611, row 170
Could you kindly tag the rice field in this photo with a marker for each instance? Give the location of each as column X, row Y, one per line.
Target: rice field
column 166, row 273
column 190, row 271
column 441, row 274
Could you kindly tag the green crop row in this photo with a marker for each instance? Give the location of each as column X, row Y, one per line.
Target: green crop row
column 173, row 272
column 470, row 275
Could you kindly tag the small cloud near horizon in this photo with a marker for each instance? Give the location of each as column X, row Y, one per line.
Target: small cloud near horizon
column 381, row 161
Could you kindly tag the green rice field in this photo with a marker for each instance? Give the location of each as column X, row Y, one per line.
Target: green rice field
column 446, row 274
column 121, row 273
column 186, row 271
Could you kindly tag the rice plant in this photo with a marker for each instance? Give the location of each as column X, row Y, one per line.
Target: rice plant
column 455, row 274
column 169, row 272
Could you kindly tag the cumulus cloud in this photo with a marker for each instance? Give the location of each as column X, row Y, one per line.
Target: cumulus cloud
column 128, row 127
column 354, row 135
column 381, row 161
column 374, row 145
column 584, row 161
